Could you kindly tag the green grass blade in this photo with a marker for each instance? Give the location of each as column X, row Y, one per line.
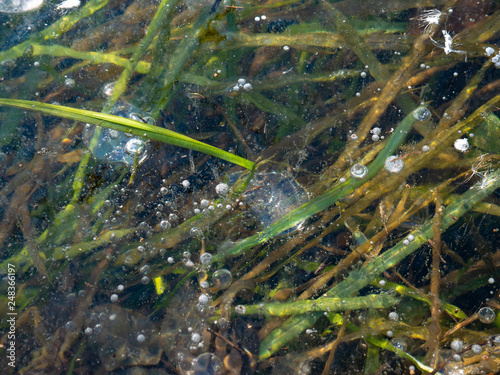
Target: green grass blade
column 373, row 301
column 129, row 126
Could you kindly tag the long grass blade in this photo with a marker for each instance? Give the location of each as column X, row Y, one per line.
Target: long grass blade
column 128, row 126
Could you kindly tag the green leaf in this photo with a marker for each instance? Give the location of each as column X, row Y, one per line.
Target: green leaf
column 128, row 126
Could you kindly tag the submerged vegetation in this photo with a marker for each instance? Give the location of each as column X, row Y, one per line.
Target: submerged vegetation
column 333, row 207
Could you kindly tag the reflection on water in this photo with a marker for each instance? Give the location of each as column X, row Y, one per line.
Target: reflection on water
column 328, row 204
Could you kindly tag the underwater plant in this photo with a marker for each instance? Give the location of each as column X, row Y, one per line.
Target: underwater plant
column 240, row 187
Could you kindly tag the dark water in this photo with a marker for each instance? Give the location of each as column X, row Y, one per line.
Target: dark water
column 357, row 232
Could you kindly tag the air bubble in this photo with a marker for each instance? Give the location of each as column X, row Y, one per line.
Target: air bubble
column 489, row 51
column 164, row 225
column 195, row 337
column 204, row 284
column 486, row 315
column 186, row 184
column 393, row 316
column 196, row 232
column 222, row 278
column 108, row 89
column 114, row 298
column 206, row 259
column 457, row 345
column 69, row 82
column 426, row 148
column 240, row 309
column 134, row 147
column 393, row 164
column 203, row 299
column 359, row 171
column 422, row 114
column 461, row 144
column 247, row 87
column 114, row 134
column 476, row 349
column 222, row 188
column 141, row 338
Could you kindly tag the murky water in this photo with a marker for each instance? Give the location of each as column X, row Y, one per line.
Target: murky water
column 277, row 187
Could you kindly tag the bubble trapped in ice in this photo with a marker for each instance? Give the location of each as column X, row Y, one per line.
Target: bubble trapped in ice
column 272, row 195
column 114, row 146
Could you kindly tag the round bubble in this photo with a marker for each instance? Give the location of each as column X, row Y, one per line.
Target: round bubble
column 359, row 171
column 222, row 278
column 426, row 148
column 461, row 144
column 203, row 299
column 204, row 284
column 114, row 298
column 393, row 164
column 240, row 309
column 206, row 259
column 164, row 225
column 108, row 89
column 141, row 337
column 476, row 349
column 393, row 316
column 196, row 232
column 422, row 114
column 222, row 188
column 69, row 82
column 134, row 146
column 457, row 345
column 486, row 315
column 195, row 337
